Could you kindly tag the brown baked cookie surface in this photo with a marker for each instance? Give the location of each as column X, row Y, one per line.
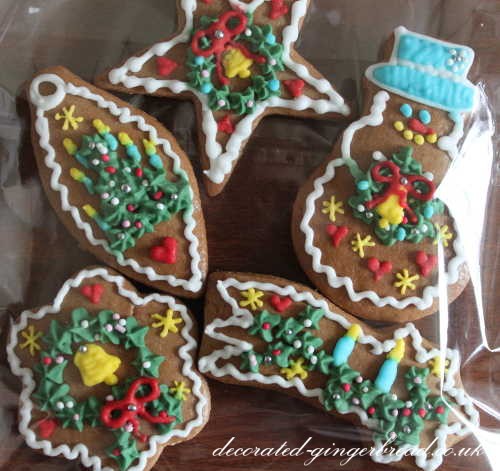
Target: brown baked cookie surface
column 108, row 376
column 119, row 182
column 236, row 61
column 369, row 227
column 271, row 333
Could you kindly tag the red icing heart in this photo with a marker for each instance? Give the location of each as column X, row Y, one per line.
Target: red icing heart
column 164, row 66
column 46, row 427
column 280, row 304
column 93, row 292
column 337, row 233
column 278, row 9
column 378, row 268
column 225, row 125
column 166, row 252
column 295, row 87
column 426, row 262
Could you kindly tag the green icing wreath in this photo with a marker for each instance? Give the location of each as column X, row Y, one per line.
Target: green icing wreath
column 367, row 188
column 259, row 40
column 53, row 393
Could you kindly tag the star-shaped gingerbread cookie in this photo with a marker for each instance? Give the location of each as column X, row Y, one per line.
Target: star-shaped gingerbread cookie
column 236, row 61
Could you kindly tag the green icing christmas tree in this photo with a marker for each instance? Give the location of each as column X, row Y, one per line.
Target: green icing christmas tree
column 368, row 188
column 134, row 196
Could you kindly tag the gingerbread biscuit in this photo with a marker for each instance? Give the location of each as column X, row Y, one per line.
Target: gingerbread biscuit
column 271, row 333
column 119, row 182
column 368, row 226
column 236, row 61
column 108, row 376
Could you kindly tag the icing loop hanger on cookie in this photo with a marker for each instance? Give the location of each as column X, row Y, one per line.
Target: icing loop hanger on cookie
column 236, row 61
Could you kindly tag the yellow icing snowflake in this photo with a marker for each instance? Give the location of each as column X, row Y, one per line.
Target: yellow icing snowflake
column 436, row 365
column 30, row 335
column 179, row 390
column 69, row 118
column 296, row 369
column 406, row 281
column 359, row 244
column 332, row 207
column 443, row 234
column 166, row 322
column 252, row 299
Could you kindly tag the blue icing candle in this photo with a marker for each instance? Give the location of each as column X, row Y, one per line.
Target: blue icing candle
column 155, row 161
column 133, row 152
column 387, row 375
column 343, row 349
column 111, row 141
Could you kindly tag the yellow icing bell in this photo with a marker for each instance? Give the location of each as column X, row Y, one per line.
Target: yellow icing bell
column 390, row 212
column 236, row 64
column 96, row 366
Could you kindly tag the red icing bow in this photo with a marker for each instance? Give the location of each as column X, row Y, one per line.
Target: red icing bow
column 221, row 35
column 125, row 412
column 402, row 186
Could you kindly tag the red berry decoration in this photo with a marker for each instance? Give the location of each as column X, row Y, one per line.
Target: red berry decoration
column 158, row 195
column 225, row 125
column 166, row 252
column 378, row 268
column 93, row 292
column 440, row 410
column 47, row 361
column 278, row 9
column 138, row 172
column 46, row 427
column 138, row 224
column 280, row 304
column 105, row 158
column 266, row 326
column 371, row 410
column 276, row 352
column 337, row 233
column 165, row 67
column 110, row 170
column 346, row 387
column 130, row 208
column 406, row 412
column 295, row 87
column 426, row 262
column 422, row 412
column 117, row 452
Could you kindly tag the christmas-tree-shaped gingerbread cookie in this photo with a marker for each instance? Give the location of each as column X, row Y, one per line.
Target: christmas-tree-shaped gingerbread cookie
column 236, row 60
column 271, row 333
column 119, row 182
column 368, row 225
column 108, row 376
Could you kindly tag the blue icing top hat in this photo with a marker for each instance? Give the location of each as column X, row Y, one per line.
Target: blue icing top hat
column 427, row 70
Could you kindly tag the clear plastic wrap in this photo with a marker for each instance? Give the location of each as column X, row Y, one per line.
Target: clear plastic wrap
column 249, row 223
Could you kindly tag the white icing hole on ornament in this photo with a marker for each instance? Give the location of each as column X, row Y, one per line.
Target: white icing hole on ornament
column 47, row 91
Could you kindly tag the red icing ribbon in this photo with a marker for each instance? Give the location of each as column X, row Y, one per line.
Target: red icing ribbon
column 402, row 186
column 126, row 411
column 221, row 36
column 417, row 126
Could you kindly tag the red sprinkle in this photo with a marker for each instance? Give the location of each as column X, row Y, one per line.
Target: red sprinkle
column 440, row 409
column 105, row 158
column 158, row 195
column 346, row 387
column 266, row 326
column 47, row 360
column 138, row 172
column 138, row 224
column 117, row 452
column 111, row 170
column 225, row 125
column 406, row 412
column 422, row 412
column 131, row 208
column 371, row 410
column 277, row 352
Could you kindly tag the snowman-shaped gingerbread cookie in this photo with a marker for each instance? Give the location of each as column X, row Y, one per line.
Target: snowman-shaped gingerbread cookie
column 368, row 226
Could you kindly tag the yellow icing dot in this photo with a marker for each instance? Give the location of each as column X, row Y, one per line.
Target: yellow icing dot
column 354, row 331
column 398, row 125
column 96, row 366
column 236, row 64
column 390, row 212
column 419, row 139
column 408, row 135
column 296, row 369
column 431, row 138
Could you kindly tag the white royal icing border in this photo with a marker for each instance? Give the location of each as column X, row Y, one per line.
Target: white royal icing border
column 375, row 118
column 81, row 450
column 46, row 103
column 243, row 318
column 221, row 160
column 393, row 60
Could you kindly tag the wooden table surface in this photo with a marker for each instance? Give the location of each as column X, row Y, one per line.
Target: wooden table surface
column 248, row 225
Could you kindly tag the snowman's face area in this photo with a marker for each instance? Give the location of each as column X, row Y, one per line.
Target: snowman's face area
column 416, row 125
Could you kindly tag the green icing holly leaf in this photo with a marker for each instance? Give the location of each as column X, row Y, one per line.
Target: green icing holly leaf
column 437, row 410
column 416, row 384
column 309, row 345
column 135, row 336
column 323, row 363
column 263, row 324
column 280, row 353
column 107, row 327
column 49, row 394
column 82, row 325
column 124, row 450
column 92, row 411
column 148, row 363
column 53, row 372
column 58, row 338
column 251, row 361
column 310, row 317
column 288, row 329
column 71, row 417
column 387, row 407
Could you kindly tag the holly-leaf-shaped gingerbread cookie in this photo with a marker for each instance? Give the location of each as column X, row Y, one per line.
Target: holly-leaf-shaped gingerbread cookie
column 236, row 61
column 108, row 381
column 368, row 225
column 397, row 386
column 119, row 182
